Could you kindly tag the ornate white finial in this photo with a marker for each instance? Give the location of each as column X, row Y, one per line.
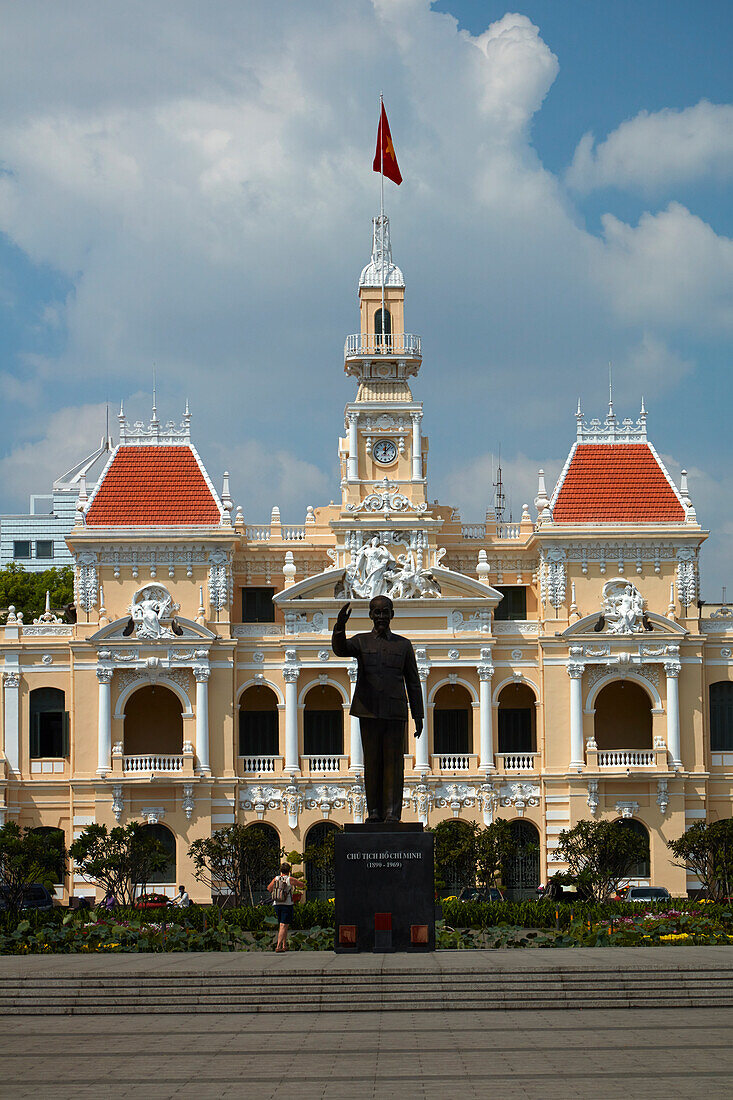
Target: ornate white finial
column 611, row 413
column 226, row 501
column 239, row 517
column 201, row 616
column 310, row 516
column 542, row 501
column 526, row 517
column 289, row 569
column 690, row 514
column 381, row 266
column 275, row 515
column 482, row 567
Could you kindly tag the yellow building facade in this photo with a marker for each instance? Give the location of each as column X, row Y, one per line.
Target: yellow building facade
column 567, row 669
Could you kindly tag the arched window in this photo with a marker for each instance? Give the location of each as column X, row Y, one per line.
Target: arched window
column 642, row 868
column 319, row 863
column 721, row 716
column 56, row 838
column 383, row 328
column 270, row 865
column 167, row 874
column 623, row 718
column 49, row 723
column 523, row 868
column 452, row 720
column 323, row 722
column 517, row 719
column 153, row 721
column 258, row 722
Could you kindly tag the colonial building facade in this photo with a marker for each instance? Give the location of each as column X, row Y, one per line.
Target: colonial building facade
column 567, row 669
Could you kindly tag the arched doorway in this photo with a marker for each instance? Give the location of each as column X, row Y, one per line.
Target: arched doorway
column 623, row 718
column 523, row 869
column 258, row 722
column 452, row 721
column 517, row 732
column 267, row 865
column 319, row 861
column 56, row 839
column 323, row 722
column 383, row 328
column 455, row 863
column 166, row 876
column 641, row 869
column 153, row 722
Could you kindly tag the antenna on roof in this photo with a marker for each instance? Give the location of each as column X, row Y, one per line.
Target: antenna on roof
column 610, row 390
column 155, row 411
column 499, row 498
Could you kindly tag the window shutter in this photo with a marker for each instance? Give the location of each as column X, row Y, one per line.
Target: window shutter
column 65, row 738
column 35, row 735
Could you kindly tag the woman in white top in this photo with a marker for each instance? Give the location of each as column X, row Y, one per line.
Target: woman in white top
column 281, row 888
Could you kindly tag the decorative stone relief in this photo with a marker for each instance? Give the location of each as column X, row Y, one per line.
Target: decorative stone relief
column 118, row 804
column 153, row 613
column 623, row 607
column 454, row 654
column 552, row 576
column 520, row 795
column 455, row 796
column 47, row 630
column 593, row 795
column 662, row 795
column 153, row 814
column 220, row 580
column 86, row 580
column 47, row 659
column 488, row 800
column 260, row 799
column 422, row 800
column 627, row 809
column 356, row 801
column 686, row 577
column 292, row 804
column 375, row 571
column 326, row 798
column 478, row 622
column 297, row 622
column 188, row 800
column 387, row 501
column 324, row 655
column 621, row 668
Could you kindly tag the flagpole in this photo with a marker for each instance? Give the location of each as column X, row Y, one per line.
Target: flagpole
column 381, row 197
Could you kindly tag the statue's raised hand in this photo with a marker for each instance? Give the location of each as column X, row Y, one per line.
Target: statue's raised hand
column 343, row 616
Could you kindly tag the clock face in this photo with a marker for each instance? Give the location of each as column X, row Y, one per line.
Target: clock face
column 384, row 450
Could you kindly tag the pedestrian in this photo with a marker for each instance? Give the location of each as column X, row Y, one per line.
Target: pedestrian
column 182, row 900
column 281, row 889
column 109, row 901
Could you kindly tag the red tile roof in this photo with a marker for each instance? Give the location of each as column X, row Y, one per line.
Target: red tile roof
column 153, row 486
column 616, row 483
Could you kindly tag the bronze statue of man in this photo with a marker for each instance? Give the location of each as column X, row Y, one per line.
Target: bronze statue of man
column 387, row 666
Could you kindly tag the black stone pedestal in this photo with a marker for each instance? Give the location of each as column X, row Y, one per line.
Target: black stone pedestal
column 385, row 890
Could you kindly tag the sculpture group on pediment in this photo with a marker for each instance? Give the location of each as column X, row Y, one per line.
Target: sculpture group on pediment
column 623, row 607
column 153, row 612
column 376, row 571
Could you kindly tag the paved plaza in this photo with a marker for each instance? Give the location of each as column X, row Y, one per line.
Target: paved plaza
column 652, row 1052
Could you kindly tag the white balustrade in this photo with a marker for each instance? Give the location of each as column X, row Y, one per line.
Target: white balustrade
column 258, row 763
column 455, row 763
column 626, row 758
column 508, row 531
column 323, row 763
column 152, row 763
column 398, row 343
column 518, row 761
column 294, row 534
column 257, row 534
column 473, row 530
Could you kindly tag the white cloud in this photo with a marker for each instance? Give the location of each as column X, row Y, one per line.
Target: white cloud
column 672, row 269
column 469, row 485
column 265, row 476
column 656, row 151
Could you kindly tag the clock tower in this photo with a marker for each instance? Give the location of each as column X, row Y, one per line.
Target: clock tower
column 384, row 449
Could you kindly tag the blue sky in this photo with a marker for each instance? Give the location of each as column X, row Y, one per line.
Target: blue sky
column 196, row 193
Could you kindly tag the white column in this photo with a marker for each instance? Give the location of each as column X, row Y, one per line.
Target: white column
column 577, row 754
column 12, row 720
column 357, row 752
column 422, row 743
column 672, row 670
column 486, row 739
column 353, row 459
column 104, row 722
column 416, row 447
column 201, row 672
column 292, row 762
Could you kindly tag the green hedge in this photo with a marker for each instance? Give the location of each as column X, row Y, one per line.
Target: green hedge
column 542, row 913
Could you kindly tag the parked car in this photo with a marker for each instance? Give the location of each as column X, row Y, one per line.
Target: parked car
column 152, row 901
column 643, row 893
column 555, row 891
column 471, row 893
column 34, row 897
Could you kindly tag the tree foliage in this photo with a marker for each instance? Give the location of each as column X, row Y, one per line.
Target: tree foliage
column 494, row 846
column 27, row 856
column 468, row 854
column 707, row 851
column 119, row 860
column 600, row 855
column 235, row 861
column 26, row 591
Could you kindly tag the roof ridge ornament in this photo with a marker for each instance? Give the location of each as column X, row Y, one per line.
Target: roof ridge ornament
column 381, row 262
column 610, row 430
column 146, row 435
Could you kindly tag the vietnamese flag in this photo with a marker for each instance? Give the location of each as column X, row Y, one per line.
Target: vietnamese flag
column 384, row 158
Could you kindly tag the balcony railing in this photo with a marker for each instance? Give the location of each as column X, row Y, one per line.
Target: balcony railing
column 508, row 531
column 259, row 764
column 626, row 758
column 455, row 762
column 517, row 761
column 473, row 531
column 399, row 343
column 323, row 764
column 171, row 763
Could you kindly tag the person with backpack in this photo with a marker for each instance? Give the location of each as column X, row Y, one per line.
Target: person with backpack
column 281, row 890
